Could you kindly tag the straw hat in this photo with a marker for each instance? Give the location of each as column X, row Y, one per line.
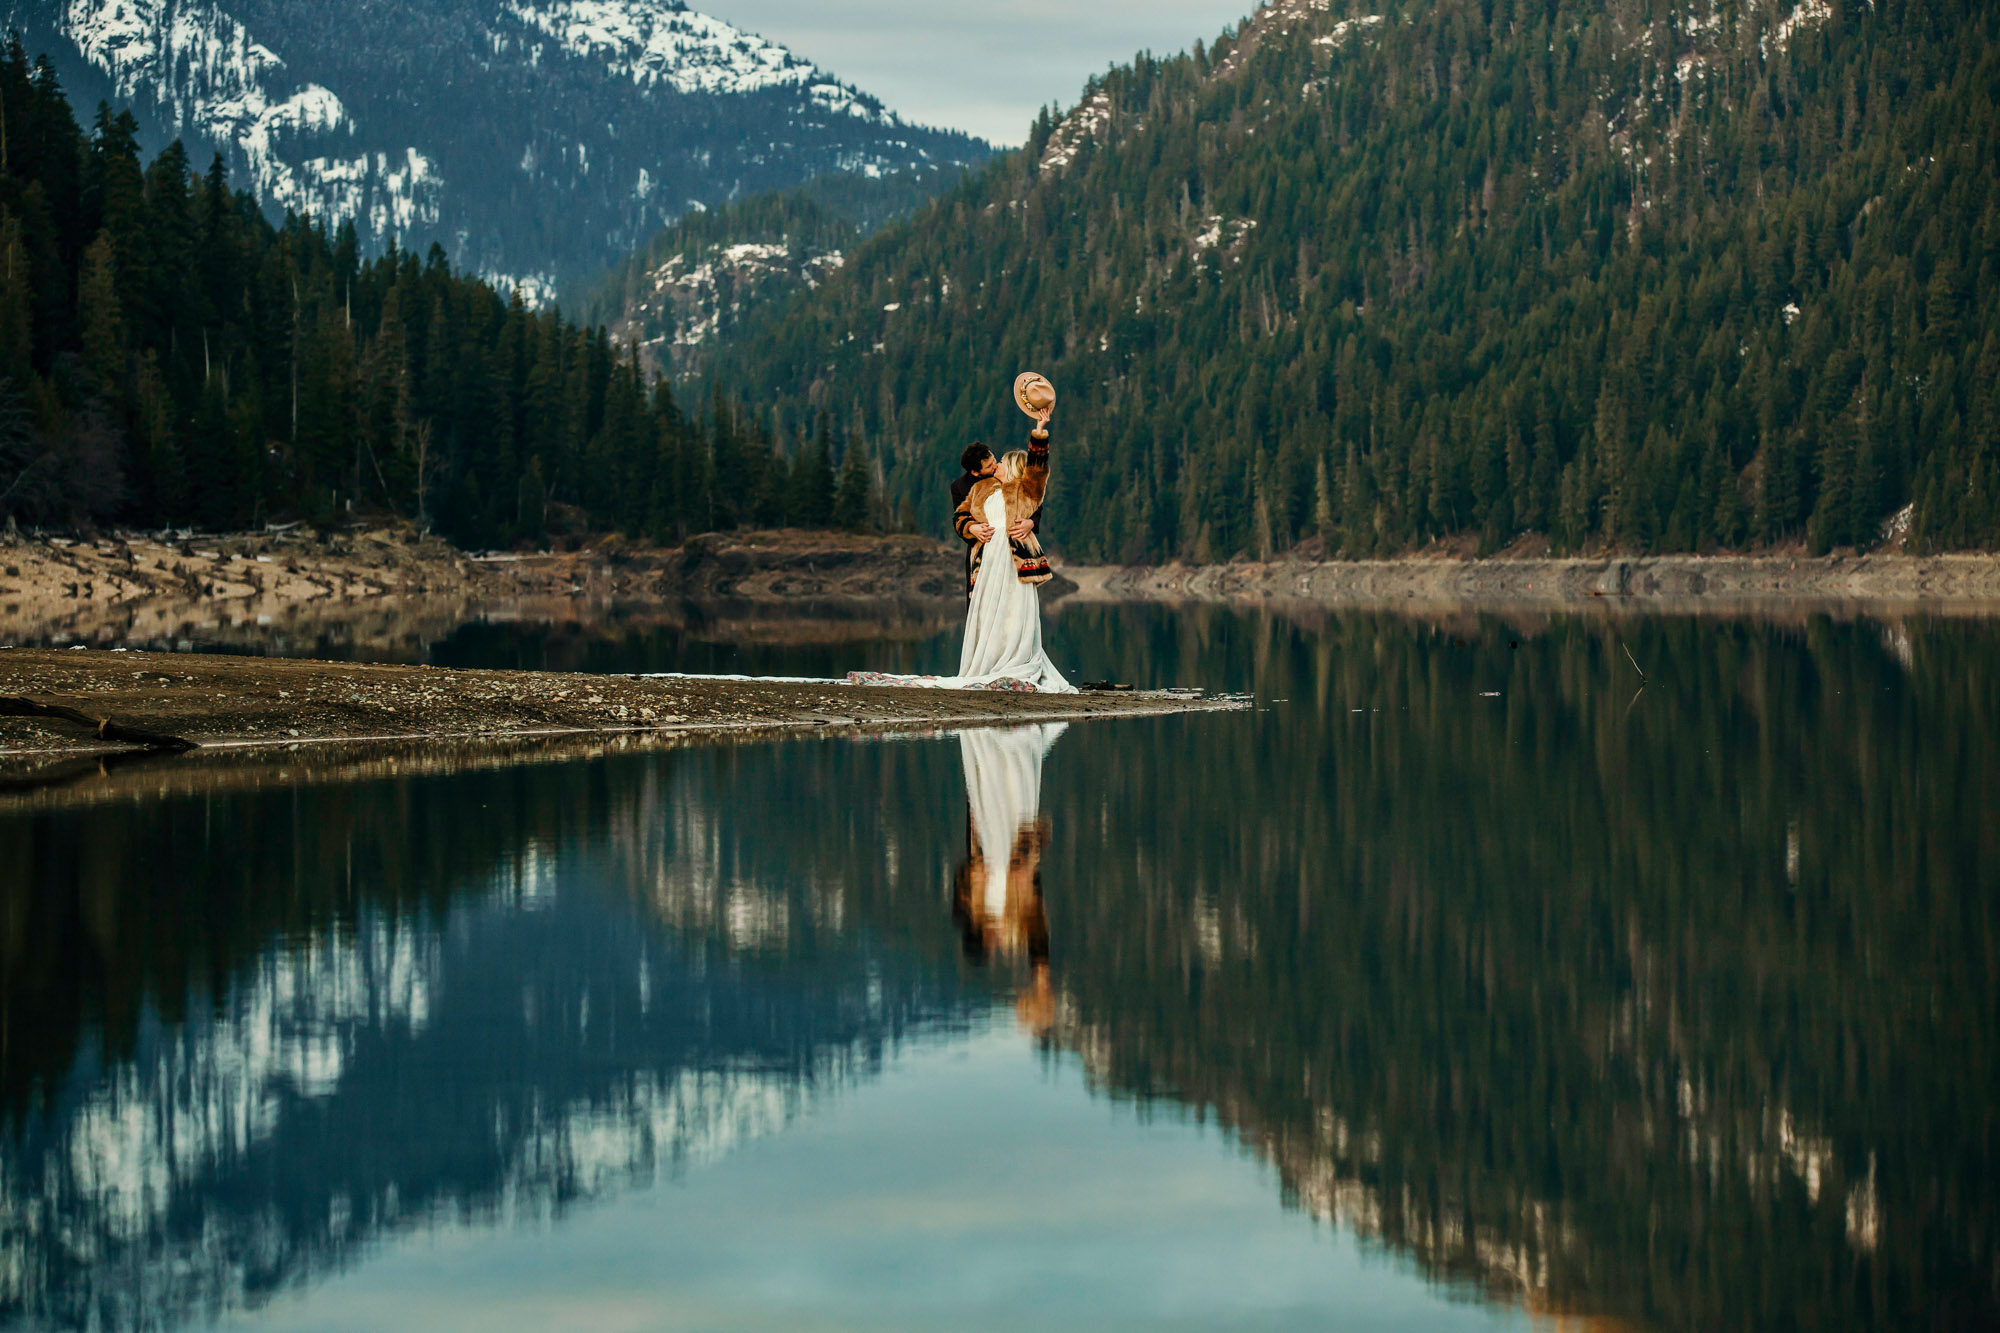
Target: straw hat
column 1033, row 393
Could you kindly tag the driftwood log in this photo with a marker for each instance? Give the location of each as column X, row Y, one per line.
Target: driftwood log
column 14, row 705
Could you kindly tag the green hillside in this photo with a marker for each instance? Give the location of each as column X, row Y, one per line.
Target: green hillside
column 169, row 357
column 824, row 214
column 694, row 279
column 1653, row 276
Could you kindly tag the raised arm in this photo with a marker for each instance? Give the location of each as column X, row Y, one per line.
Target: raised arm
column 1035, row 484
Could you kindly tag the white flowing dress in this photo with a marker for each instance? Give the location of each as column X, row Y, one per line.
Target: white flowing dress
column 1003, row 628
column 1003, row 790
column 1003, row 624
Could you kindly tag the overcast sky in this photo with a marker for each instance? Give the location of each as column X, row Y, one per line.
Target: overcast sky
column 981, row 67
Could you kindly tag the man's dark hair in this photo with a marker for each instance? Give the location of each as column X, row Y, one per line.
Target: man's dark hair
column 975, row 454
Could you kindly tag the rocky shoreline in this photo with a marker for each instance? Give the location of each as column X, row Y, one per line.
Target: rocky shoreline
column 387, row 591
column 1727, row 583
column 387, row 585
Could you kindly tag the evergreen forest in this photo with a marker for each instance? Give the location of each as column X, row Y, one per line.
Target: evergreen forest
column 1501, row 274
column 828, row 214
column 483, row 125
column 692, row 282
column 170, row 356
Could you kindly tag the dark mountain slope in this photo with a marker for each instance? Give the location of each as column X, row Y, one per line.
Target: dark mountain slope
column 537, row 140
column 168, row 356
column 698, row 276
column 1664, row 277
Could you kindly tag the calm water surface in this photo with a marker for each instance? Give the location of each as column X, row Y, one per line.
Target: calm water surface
column 1456, row 987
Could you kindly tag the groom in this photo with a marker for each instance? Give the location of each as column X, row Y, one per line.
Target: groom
column 978, row 461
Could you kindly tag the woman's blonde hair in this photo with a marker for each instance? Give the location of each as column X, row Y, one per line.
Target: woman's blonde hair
column 1014, row 465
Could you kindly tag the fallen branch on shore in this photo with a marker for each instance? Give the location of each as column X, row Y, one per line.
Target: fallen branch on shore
column 14, row 705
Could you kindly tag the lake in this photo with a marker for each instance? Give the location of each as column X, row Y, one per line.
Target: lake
column 1463, row 984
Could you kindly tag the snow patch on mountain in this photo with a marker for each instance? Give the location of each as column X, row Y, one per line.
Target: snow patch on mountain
column 1091, row 118
column 1346, row 28
column 211, row 78
column 325, row 118
column 1809, row 14
column 657, row 41
column 537, row 290
column 684, row 301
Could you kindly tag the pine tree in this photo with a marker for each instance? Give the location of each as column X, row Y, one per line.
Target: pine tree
column 810, row 504
column 17, row 330
column 854, row 493
column 102, row 319
column 1325, row 523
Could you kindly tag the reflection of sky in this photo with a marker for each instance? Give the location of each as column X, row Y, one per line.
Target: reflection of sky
column 972, row 1187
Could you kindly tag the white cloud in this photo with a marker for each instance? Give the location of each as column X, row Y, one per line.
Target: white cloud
column 984, row 68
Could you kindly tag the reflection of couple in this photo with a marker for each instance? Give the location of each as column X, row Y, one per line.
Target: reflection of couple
column 997, row 900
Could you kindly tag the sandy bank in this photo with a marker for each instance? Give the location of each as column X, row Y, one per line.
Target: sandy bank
column 384, row 586
column 1681, row 583
column 239, row 703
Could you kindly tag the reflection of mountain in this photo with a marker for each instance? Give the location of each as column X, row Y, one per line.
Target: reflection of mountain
column 1679, row 1012
column 519, row 1045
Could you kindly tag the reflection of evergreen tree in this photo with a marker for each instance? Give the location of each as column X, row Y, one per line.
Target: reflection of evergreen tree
column 188, row 363
column 312, row 1030
column 1680, row 1010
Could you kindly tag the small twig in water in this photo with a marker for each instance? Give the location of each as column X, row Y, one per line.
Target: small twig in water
column 1635, row 663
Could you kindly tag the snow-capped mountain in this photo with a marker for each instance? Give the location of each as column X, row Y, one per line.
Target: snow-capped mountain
column 537, row 140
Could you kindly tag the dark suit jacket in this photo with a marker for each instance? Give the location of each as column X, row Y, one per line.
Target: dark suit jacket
column 962, row 488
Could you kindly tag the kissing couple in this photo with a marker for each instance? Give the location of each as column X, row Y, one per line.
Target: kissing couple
column 998, row 504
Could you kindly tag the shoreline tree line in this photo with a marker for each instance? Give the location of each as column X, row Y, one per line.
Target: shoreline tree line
column 171, row 357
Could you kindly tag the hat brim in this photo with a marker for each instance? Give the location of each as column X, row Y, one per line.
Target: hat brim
column 1027, row 380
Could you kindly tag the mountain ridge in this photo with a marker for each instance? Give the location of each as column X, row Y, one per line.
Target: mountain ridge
column 536, row 140
column 1692, row 278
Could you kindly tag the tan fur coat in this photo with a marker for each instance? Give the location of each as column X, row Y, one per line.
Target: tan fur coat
column 1024, row 497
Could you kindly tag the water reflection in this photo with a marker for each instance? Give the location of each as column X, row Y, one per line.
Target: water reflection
column 534, row 633
column 997, row 901
column 309, row 1024
column 1675, row 1015
column 1684, row 1014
